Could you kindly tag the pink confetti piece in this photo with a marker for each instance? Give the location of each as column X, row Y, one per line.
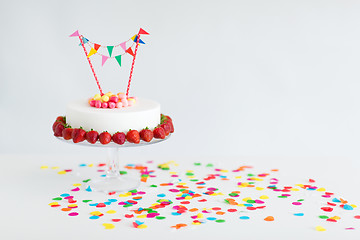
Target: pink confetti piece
column 296, row 203
column 75, row 189
column 72, row 214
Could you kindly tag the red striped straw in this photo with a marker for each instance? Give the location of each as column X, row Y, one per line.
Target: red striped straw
column 132, row 65
column 91, row 66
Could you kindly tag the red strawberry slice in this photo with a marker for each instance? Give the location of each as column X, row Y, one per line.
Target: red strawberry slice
column 58, row 129
column 146, row 135
column 166, row 128
column 133, row 136
column 92, row 136
column 119, row 138
column 78, row 135
column 105, row 138
column 67, row 133
column 159, row 132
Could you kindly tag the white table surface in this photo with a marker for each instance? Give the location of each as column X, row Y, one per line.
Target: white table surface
column 26, row 191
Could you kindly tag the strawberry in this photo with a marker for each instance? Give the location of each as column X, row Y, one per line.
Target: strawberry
column 159, row 132
column 67, row 132
column 146, row 135
column 58, row 129
column 92, row 136
column 119, row 138
column 61, row 119
column 166, row 128
column 105, row 138
column 54, row 125
column 78, row 135
column 133, row 136
column 168, row 118
column 171, row 126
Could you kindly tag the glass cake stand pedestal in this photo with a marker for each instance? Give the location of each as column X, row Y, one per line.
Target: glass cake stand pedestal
column 114, row 181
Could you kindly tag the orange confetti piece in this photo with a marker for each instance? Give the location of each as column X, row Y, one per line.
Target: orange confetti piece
column 193, row 210
column 179, row 225
column 220, row 213
column 66, row 209
column 269, row 218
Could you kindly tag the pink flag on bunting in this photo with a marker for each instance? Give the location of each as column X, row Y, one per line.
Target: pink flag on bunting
column 75, row 34
column 123, row 45
column 104, row 58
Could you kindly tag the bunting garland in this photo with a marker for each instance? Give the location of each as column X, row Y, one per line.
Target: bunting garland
column 95, row 49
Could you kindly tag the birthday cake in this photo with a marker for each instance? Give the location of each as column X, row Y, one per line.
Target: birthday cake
column 112, row 117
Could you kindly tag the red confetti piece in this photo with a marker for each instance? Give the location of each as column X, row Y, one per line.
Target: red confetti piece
column 331, row 220
column 327, row 209
column 232, row 210
column 202, row 200
column 116, row 220
column 111, row 193
column 331, row 204
column 129, row 215
column 185, row 202
column 357, row 216
column 311, row 180
column 57, row 205
column 101, row 205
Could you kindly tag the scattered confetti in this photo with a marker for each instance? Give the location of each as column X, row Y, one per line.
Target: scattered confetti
column 320, row 229
column 108, row 225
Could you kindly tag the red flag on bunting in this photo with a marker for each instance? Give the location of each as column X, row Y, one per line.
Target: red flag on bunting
column 142, row 31
column 130, row 51
column 96, row 46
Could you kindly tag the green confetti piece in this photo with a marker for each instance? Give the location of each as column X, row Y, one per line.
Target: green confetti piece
column 194, row 180
column 197, row 164
column 189, row 174
column 153, row 185
column 300, row 200
column 133, row 191
column 250, row 201
column 209, row 165
column 145, row 175
column 127, row 205
column 251, row 175
column 85, row 201
column 252, row 183
column 232, row 194
column 123, row 172
column 165, row 168
column 282, row 196
column 87, row 180
column 220, row 220
column 160, row 217
column 323, row 217
column 57, row 198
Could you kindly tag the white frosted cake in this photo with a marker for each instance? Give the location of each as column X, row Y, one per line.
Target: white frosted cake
column 144, row 113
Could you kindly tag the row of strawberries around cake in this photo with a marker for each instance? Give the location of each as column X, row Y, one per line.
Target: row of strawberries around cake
column 61, row 129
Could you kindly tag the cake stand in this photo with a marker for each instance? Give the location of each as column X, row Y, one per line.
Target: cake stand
column 114, row 181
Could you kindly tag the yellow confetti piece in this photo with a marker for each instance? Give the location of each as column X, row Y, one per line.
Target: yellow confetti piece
column 53, row 203
column 62, row 172
column 237, row 177
column 142, row 226
column 90, row 165
column 44, row 167
column 241, row 205
column 245, row 199
column 111, row 212
column 223, row 170
column 95, row 213
column 108, row 225
column 321, row 189
column 190, row 171
column 353, row 205
column 188, row 197
column 125, row 194
column 196, row 223
column 190, row 176
column 141, row 216
column 259, row 188
column 173, row 172
column 336, row 217
column 320, row 229
column 294, row 189
column 200, row 215
column 72, row 205
column 264, row 197
column 182, row 183
column 77, row 184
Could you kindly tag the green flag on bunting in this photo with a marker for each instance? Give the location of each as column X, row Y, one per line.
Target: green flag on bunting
column 118, row 59
column 110, row 49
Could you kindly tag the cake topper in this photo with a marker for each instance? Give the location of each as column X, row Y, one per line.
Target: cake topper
column 94, row 50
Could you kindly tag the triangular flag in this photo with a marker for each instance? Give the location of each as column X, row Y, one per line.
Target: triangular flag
column 92, row 51
column 142, row 31
column 85, row 41
column 96, row 46
column 123, row 45
column 134, row 38
column 75, row 34
column 130, row 51
column 118, row 59
column 110, row 49
column 104, row 58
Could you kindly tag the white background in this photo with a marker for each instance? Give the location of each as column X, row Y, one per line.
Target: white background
column 239, row 78
column 249, row 78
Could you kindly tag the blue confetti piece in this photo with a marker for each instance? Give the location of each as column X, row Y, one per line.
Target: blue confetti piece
column 112, row 200
column 298, row 214
column 93, row 204
column 138, row 222
column 161, row 195
column 94, row 217
column 211, row 218
column 336, row 200
column 82, row 165
column 64, row 195
column 107, row 203
column 88, row 189
column 248, row 205
column 175, row 213
column 348, row 207
column 104, row 175
column 244, row 217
